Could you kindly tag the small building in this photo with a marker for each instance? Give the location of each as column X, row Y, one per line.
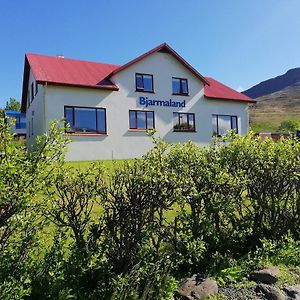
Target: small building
column 110, row 107
column 19, row 127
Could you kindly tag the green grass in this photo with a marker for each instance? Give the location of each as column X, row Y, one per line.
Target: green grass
column 109, row 164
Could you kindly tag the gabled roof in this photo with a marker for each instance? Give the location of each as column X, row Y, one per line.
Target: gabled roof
column 54, row 69
column 66, row 71
column 80, row 73
column 162, row 48
column 217, row 90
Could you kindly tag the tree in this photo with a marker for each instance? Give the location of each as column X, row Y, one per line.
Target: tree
column 13, row 104
column 289, row 125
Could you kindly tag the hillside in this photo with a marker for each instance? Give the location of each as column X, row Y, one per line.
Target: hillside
column 280, row 104
column 290, row 78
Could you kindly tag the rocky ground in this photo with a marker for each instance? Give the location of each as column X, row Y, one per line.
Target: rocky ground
column 197, row 287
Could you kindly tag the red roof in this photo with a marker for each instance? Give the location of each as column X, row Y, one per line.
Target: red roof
column 218, row 90
column 73, row 72
column 53, row 69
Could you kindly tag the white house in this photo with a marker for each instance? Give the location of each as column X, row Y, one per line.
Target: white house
column 110, row 107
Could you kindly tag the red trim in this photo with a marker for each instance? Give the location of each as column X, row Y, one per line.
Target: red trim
column 101, row 87
column 230, row 99
column 190, row 131
column 138, row 130
column 86, row 134
column 169, row 50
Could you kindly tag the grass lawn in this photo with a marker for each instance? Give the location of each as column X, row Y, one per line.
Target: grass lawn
column 109, row 164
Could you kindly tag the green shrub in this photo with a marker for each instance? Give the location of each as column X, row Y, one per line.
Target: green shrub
column 221, row 210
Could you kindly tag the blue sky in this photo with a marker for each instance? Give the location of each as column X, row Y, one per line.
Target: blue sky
column 239, row 42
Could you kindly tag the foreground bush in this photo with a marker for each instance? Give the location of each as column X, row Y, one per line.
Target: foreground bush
column 132, row 233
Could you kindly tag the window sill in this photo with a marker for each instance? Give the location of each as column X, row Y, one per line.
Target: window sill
column 190, row 131
column 180, row 94
column 87, row 134
column 142, row 91
column 138, row 130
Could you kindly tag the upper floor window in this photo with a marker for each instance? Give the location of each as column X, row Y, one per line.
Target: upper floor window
column 222, row 124
column 28, row 98
column 86, row 119
column 184, row 121
column 140, row 119
column 144, row 82
column 32, row 91
column 36, row 88
column 179, row 86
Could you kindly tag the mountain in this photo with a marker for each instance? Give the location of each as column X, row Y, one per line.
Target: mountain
column 290, row 78
column 277, row 99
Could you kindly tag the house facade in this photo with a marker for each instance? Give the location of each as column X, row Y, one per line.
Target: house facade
column 19, row 122
column 109, row 107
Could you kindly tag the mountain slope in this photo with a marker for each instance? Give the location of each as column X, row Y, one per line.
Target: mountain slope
column 291, row 77
column 272, row 108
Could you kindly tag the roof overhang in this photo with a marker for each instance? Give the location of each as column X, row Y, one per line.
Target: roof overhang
column 230, row 99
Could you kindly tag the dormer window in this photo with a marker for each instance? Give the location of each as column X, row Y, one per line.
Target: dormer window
column 144, row 82
column 180, row 86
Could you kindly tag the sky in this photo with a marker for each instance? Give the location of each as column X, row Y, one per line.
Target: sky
column 238, row 42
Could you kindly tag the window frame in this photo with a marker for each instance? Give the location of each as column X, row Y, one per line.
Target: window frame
column 143, row 89
column 180, row 86
column 74, row 132
column 136, row 122
column 187, row 114
column 231, row 117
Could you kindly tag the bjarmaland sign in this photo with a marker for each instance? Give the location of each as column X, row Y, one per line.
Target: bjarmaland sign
column 169, row 103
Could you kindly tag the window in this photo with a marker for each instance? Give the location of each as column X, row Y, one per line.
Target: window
column 86, row 120
column 36, row 88
column 224, row 123
column 32, row 92
column 28, row 98
column 144, row 82
column 184, row 121
column 139, row 119
column 20, row 123
column 179, row 86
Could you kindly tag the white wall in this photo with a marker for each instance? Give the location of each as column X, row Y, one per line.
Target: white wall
column 35, row 112
column 120, row 142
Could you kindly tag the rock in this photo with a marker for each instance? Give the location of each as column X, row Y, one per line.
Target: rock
column 240, row 293
column 196, row 287
column 268, row 275
column 269, row 292
column 293, row 291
